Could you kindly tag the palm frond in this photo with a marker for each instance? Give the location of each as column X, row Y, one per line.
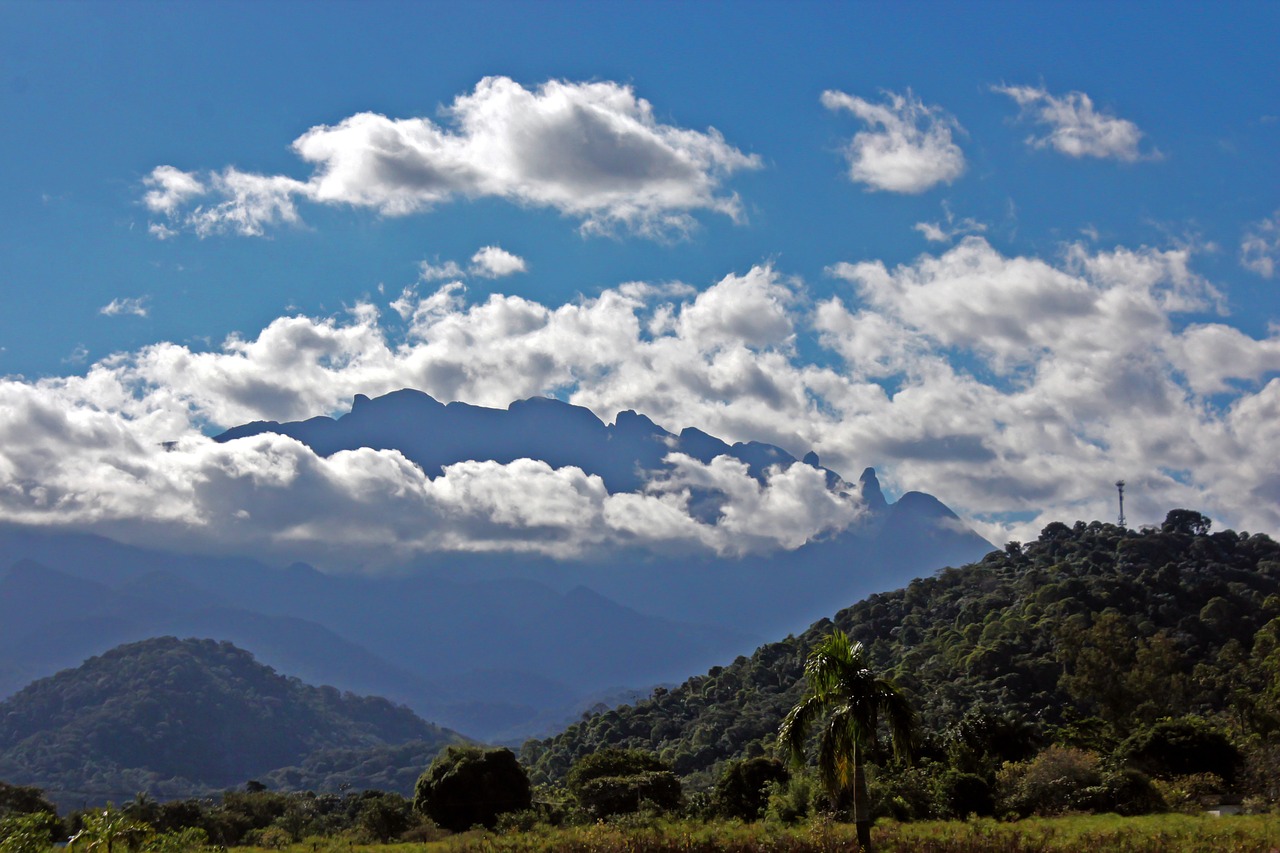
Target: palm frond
column 795, row 727
column 838, row 750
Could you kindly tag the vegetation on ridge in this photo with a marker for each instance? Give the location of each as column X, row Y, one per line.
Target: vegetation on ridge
column 1087, row 638
column 182, row 717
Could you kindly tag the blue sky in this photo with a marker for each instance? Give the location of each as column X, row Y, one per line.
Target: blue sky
column 1066, row 159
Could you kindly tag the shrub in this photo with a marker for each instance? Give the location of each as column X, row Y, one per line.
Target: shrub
column 1052, row 783
column 32, row 832
column 619, row 781
column 964, row 794
column 794, row 801
column 1182, row 747
column 467, row 786
column 743, row 789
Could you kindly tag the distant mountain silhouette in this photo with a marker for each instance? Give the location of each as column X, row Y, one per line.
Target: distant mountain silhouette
column 433, row 435
column 494, row 645
column 188, row 717
column 485, row 656
column 779, row 592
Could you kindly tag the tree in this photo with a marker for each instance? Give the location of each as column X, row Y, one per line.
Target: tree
column 854, row 700
column 1187, row 522
column 23, row 799
column 1182, row 747
column 108, row 831
column 467, row 785
column 29, row 832
column 617, row 781
column 743, row 789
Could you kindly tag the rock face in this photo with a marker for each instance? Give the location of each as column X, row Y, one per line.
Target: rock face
column 498, row 646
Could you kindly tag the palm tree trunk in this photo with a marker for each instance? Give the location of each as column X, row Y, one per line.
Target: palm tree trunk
column 861, row 806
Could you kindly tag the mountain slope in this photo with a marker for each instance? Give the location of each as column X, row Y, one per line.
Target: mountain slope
column 185, row 716
column 484, row 656
column 1088, row 622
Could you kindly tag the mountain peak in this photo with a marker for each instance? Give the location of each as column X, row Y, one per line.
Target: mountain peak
column 200, row 713
column 871, row 493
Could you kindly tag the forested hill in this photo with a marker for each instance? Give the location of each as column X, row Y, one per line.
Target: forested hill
column 1081, row 636
column 180, row 718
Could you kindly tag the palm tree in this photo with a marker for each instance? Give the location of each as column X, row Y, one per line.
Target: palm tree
column 855, row 700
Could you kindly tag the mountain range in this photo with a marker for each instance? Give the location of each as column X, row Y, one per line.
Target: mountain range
column 499, row 646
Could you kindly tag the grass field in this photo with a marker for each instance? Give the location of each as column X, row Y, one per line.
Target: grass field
column 1100, row 834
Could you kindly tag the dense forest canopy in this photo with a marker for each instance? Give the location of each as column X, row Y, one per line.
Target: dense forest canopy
column 1084, row 637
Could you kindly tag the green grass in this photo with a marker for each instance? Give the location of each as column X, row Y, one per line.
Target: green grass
column 1094, row 834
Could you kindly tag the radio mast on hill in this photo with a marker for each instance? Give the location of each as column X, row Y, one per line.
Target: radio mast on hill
column 1120, row 489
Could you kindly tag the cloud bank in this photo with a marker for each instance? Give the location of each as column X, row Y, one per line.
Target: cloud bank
column 592, row 151
column 908, row 148
column 1017, row 389
column 1075, row 128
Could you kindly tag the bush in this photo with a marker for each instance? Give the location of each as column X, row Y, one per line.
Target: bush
column 743, row 789
column 794, row 801
column 1181, row 748
column 467, row 786
column 619, row 781
column 178, row 841
column 903, row 793
column 271, row 837
column 1052, row 783
column 964, row 794
column 1191, row 793
column 32, row 832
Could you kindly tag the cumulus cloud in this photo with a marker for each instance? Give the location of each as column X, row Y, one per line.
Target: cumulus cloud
column 592, row 151
column 1260, row 248
column 169, row 188
column 908, row 148
column 487, row 262
column 496, row 262
column 87, row 469
column 1011, row 387
column 135, row 306
column 1075, row 128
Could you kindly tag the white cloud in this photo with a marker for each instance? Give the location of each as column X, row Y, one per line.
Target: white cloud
column 945, row 232
column 487, row 262
column 1075, row 128
column 1008, row 386
column 170, row 188
column 496, row 262
column 908, row 149
column 250, row 203
column 136, row 306
column 1260, row 248
column 592, row 151
column 77, row 466
column 436, row 271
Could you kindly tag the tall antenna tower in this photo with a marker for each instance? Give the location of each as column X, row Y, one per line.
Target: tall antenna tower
column 1120, row 489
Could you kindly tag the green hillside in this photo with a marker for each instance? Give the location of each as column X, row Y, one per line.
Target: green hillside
column 1082, row 637
column 186, row 717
